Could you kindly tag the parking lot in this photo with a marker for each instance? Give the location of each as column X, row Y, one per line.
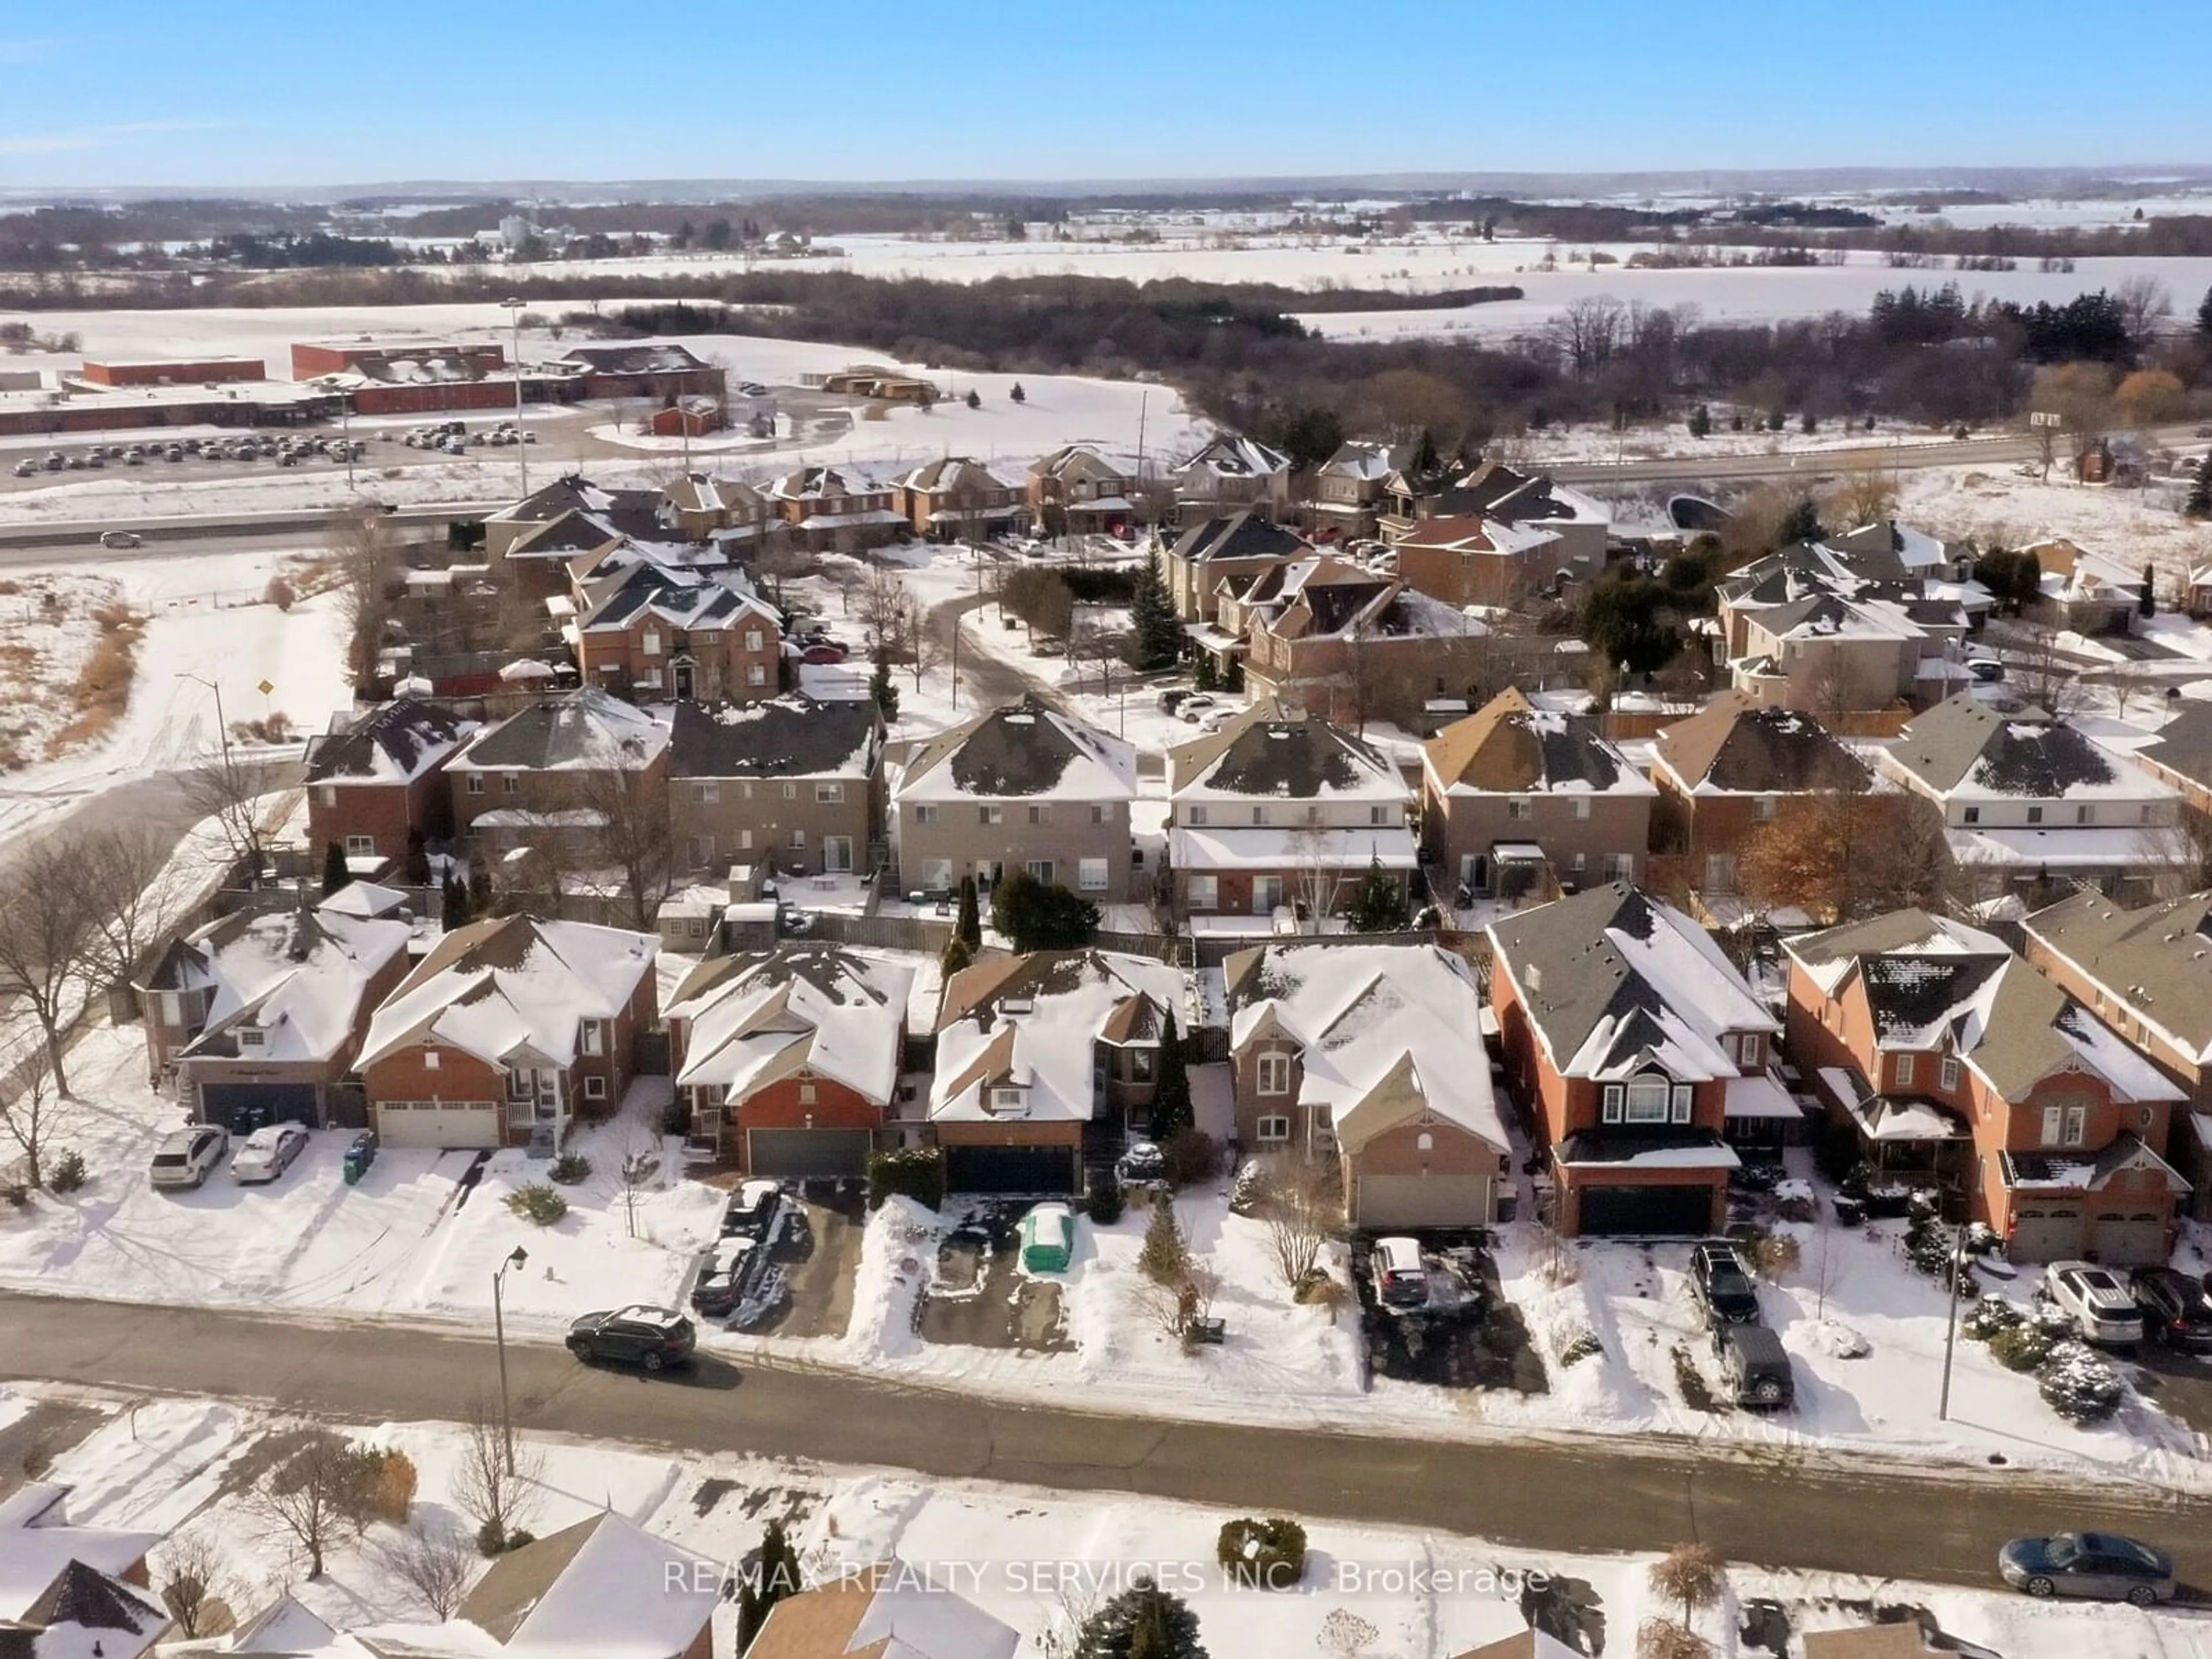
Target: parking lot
column 249, row 449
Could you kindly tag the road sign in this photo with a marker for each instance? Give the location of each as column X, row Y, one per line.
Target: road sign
column 265, row 688
column 2045, row 417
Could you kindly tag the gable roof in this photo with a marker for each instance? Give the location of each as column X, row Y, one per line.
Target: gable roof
column 605, row 1587
column 651, row 591
column 1366, row 460
column 1381, row 1031
column 757, row 1016
column 1964, row 747
column 297, row 976
column 2184, row 743
column 1029, row 1021
column 1509, row 747
column 950, row 474
column 1231, row 456
column 1611, row 979
column 582, row 730
column 1272, row 754
column 1734, row 745
column 1085, row 462
column 1024, row 750
column 38, row 1542
column 791, row 736
column 1238, row 535
column 893, row 1611
column 2158, row 959
column 395, row 742
column 702, row 492
column 511, row 983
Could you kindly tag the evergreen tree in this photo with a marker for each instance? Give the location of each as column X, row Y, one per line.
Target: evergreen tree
column 882, row 689
column 1803, row 524
column 1234, row 680
column 968, row 928
column 1018, row 394
column 1142, row 1622
column 1378, row 903
column 453, row 910
column 2148, row 606
column 956, row 957
column 974, row 398
column 1164, row 1257
column 1156, row 634
column 335, row 874
column 1701, row 421
column 1205, row 677
column 776, row 1577
column 1426, row 463
column 2200, row 498
column 480, row 893
column 1171, row 1108
column 2204, row 315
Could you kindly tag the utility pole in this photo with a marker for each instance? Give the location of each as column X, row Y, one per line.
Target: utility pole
column 1953, row 1257
column 513, row 306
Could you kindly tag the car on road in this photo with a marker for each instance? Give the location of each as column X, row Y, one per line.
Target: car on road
column 726, row 1270
column 26, row 469
column 752, row 1209
column 1401, row 1278
column 267, row 1153
column 2175, row 1309
column 2102, row 1566
column 2095, row 1299
column 189, row 1157
column 120, row 538
column 639, row 1334
column 1718, row 1280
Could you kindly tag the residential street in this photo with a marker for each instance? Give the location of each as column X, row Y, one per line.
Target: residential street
column 1769, row 1507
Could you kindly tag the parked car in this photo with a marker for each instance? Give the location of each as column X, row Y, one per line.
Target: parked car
column 267, row 1153
column 2100, row 1305
column 1401, row 1278
column 1143, row 1161
column 726, row 1271
column 1193, row 707
column 1047, row 1234
column 1167, row 699
column 822, row 653
column 1718, row 1280
column 1987, row 670
column 640, row 1334
column 26, row 469
column 2100, row 1566
column 120, row 538
column 752, row 1210
column 2175, row 1309
column 1754, row 1367
column 187, row 1158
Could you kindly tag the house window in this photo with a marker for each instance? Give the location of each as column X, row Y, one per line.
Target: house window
column 2085, row 814
column 476, row 783
column 251, row 1036
column 798, row 840
column 752, row 639
column 1376, row 815
column 828, row 794
column 1043, row 869
column 510, row 783
column 648, row 679
column 937, row 876
column 1973, row 815
column 1098, row 812
column 429, row 1059
column 1611, row 1114
column 1901, row 1070
column 1090, row 875
column 1647, row 1100
column 1684, row 1098
column 989, row 815
column 1274, row 1128
column 1762, row 808
column 328, row 794
column 1520, row 808
column 806, row 1094
column 1948, row 1072
column 1425, row 1142
column 1141, row 1063
column 1260, row 815
column 595, row 1041
column 706, row 794
column 1205, row 892
column 650, row 644
column 925, row 815
column 1749, row 1049
column 1580, row 806
column 791, row 791
column 744, row 840
column 1274, row 1073
column 2077, row 1125
column 595, row 1088
column 360, row 847
column 1040, row 814
column 1194, row 816
column 1005, row 1100
column 757, row 674
column 1620, row 867
column 2035, row 815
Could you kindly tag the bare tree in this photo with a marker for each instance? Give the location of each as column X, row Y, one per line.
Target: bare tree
column 923, row 647
column 1692, row 1574
column 120, row 878
column 1301, row 1214
column 193, row 1582
column 1317, row 880
column 34, row 1108
column 2145, row 304
column 48, row 939
column 227, row 787
column 364, row 561
column 1866, row 495
column 1586, row 332
column 2045, row 675
column 1344, row 1635
column 1662, row 1638
column 882, row 607
column 632, row 836
column 435, row 1559
column 317, row 1499
column 500, row 1500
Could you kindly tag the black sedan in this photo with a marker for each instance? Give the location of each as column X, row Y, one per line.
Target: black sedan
column 2102, row 1566
column 2175, row 1309
column 640, row 1334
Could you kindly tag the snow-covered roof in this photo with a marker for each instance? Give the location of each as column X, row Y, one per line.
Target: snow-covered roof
column 1267, row 754
column 511, row 983
column 1229, row 456
column 1393, row 846
column 1962, row 749
column 583, row 730
column 1026, row 751
column 395, row 744
column 1509, row 747
column 789, row 737
column 1381, row 1031
column 756, row 1018
column 1028, row 1023
column 891, row 1610
column 37, row 1541
column 288, row 984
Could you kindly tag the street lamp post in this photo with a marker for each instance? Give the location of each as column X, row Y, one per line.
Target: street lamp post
column 1956, row 1258
column 512, row 306
column 499, row 1338
column 222, row 726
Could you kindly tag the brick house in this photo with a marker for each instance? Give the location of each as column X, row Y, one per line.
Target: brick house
column 897, row 1612
column 836, row 509
column 1494, row 491
column 1329, row 635
column 795, row 783
column 376, row 784
column 530, row 542
column 1727, row 769
column 557, row 767
column 2147, row 972
column 1081, row 490
column 955, row 497
column 1020, row 788
column 703, row 508
column 2026, row 1110
column 1279, row 809
column 1362, row 1053
column 257, row 1018
column 1484, row 562
column 1511, row 780
column 787, row 1061
column 509, row 1031
column 2181, row 756
column 653, row 633
column 1344, row 497
column 1211, row 550
column 1039, row 1055
column 1231, row 474
column 1631, row 1042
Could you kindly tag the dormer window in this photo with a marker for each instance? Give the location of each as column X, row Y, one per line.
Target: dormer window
column 1007, row 1097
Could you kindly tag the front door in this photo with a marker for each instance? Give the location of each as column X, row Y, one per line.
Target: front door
column 1266, row 894
column 685, row 674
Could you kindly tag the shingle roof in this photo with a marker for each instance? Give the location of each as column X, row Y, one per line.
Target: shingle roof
column 1239, row 536
column 2158, row 958
column 1734, row 744
column 1271, row 754
column 790, row 737
column 395, row 742
column 583, row 728
column 1507, row 746
column 2184, row 743
column 1962, row 738
column 1025, row 750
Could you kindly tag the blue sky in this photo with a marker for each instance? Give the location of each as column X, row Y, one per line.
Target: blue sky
column 213, row 92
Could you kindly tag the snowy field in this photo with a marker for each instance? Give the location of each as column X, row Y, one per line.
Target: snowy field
column 182, row 1466
column 1998, row 507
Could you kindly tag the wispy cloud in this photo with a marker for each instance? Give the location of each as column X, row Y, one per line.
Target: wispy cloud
column 104, row 137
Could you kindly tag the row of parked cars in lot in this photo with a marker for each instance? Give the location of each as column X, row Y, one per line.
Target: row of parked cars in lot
column 187, row 1158
column 289, row 449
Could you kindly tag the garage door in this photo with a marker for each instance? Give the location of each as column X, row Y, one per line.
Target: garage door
column 439, row 1124
column 1010, row 1170
column 1647, row 1211
column 2130, row 1241
column 808, row 1154
column 243, row 1108
column 1415, row 1200
column 2042, row 1234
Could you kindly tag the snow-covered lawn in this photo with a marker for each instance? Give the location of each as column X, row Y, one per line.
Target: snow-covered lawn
column 52, row 627
column 408, row 1240
column 1030, row 1557
column 1998, row 507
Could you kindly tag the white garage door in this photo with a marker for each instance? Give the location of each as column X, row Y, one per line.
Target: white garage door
column 436, row 1123
column 1415, row 1200
column 2043, row 1234
column 2130, row 1241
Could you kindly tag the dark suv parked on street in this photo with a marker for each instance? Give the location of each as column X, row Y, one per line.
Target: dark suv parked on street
column 637, row 1336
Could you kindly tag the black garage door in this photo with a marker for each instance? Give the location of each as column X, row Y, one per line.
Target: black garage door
column 242, row 1108
column 1010, row 1168
column 1652, row 1212
column 808, row 1154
